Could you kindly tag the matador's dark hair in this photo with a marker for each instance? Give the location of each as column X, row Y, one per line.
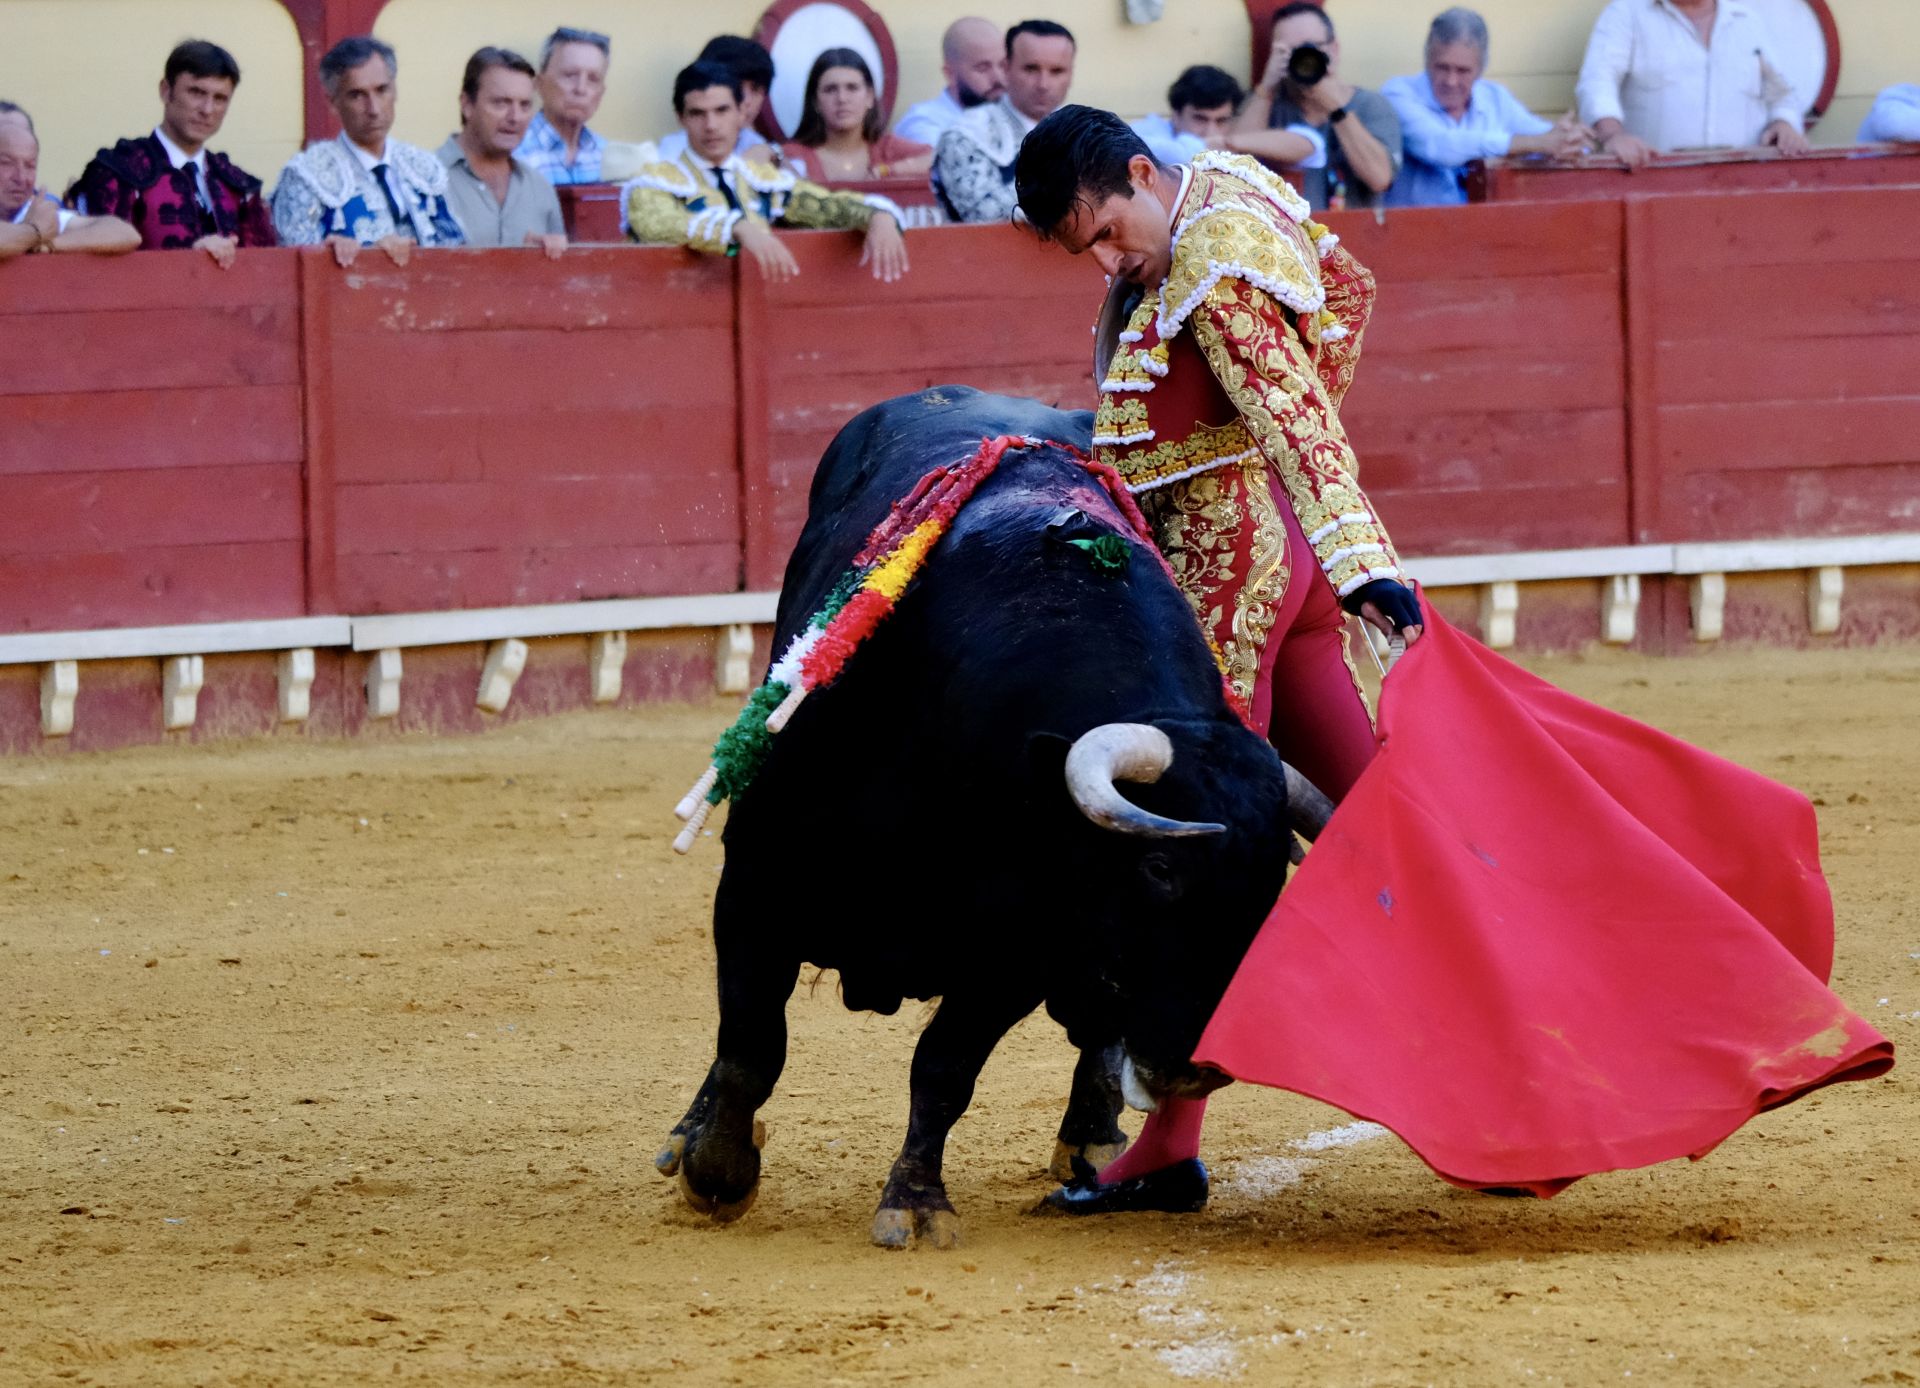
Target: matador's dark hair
column 1077, row 155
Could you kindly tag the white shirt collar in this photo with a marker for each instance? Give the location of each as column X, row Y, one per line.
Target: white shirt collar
column 1186, row 182
column 367, row 161
column 177, row 156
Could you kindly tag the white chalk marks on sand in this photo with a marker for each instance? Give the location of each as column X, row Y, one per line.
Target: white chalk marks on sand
column 1178, row 1324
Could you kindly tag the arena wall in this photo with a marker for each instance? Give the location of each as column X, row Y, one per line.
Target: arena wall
column 1664, row 420
column 1536, row 51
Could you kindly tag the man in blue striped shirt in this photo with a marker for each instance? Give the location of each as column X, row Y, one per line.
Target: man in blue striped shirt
column 1450, row 115
column 573, row 79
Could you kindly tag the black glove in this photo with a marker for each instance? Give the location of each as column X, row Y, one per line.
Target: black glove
column 1395, row 600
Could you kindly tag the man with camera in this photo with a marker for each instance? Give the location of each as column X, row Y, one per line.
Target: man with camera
column 1302, row 87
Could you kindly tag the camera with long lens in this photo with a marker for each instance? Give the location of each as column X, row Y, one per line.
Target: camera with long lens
column 1306, row 65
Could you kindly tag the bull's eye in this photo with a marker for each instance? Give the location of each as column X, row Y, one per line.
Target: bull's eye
column 1161, row 877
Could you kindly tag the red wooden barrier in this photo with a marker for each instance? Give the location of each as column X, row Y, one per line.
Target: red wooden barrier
column 1598, row 177
column 150, row 442
column 508, row 429
column 1489, row 409
column 984, row 306
column 592, row 210
column 1776, row 364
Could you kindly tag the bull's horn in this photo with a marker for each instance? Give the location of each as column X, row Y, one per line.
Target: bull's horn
column 1124, row 752
column 1307, row 809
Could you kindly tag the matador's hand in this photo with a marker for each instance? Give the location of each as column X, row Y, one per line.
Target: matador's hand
column 1388, row 605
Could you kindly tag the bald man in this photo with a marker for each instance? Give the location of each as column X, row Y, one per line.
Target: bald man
column 973, row 58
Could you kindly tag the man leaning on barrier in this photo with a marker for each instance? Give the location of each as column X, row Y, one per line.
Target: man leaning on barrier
column 499, row 200
column 710, row 199
column 30, row 220
column 364, row 188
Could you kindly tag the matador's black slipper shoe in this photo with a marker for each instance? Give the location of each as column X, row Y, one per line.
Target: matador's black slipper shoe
column 1177, row 1189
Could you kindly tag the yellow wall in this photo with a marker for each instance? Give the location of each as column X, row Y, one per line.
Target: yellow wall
column 89, row 72
column 1536, row 49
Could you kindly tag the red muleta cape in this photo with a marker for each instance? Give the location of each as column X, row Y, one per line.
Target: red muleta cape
column 1540, row 940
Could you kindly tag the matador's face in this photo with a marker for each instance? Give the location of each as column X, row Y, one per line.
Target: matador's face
column 1128, row 234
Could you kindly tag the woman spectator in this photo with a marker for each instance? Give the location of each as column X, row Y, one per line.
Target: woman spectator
column 842, row 136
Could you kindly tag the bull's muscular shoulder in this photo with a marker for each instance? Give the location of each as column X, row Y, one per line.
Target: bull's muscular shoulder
column 1235, row 228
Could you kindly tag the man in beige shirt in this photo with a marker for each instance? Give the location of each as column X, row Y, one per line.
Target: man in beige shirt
column 499, row 200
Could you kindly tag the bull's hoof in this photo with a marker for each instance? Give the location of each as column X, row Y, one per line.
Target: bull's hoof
column 667, row 1161
column 1094, row 1154
column 719, row 1211
column 903, row 1228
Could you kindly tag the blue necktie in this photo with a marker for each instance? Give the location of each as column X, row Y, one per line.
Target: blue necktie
column 400, row 223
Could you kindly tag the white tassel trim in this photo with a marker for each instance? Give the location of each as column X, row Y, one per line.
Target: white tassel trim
column 1170, row 324
column 1323, row 532
column 1232, row 460
column 1113, row 387
column 1117, row 440
column 1366, row 576
column 1152, row 367
column 1129, row 335
column 1349, row 552
column 1333, row 334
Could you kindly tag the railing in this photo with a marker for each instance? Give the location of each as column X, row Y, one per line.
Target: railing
column 1586, row 178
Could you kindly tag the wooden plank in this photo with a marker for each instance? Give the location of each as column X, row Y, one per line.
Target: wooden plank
column 1747, row 303
column 586, row 290
column 148, row 349
column 762, row 554
column 1802, row 502
column 402, row 518
column 1575, row 317
column 103, row 512
column 151, row 429
column 1482, row 242
column 412, row 629
column 1799, row 367
column 857, row 337
column 420, row 580
column 320, row 559
column 1574, row 514
column 948, row 264
column 1641, row 250
column 87, row 284
column 1516, row 376
column 198, row 638
column 128, row 586
column 1784, row 434
column 513, row 370
column 1488, row 451
column 1839, row 225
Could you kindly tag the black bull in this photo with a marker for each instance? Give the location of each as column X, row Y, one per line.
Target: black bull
column 914, row 826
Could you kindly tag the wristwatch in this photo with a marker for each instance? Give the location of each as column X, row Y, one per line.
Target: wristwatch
column 1335, row 117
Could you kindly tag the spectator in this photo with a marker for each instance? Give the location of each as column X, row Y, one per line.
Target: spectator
column 1450, row 115
column 1661, row 75
column 168, row 185
column 363, row 188
column 973, row 163
column 711, row 199
column 30, row 220
column 842, row 137
column 573, row 78
column 752, row 67
column 499, row 200
column 1203, row 101
column 1302, row 96
column 973, row 58
column 1895, row 116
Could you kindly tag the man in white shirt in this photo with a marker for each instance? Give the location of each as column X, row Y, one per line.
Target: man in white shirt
column 1662, row 75
column 973, row 163
column 364, row 189
column 973, row 59
column 30, row 221
column 1895, row 116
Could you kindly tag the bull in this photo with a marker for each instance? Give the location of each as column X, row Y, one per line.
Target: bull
column 954, row 800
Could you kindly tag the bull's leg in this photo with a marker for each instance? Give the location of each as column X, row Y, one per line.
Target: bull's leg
column 715, row 1148
column 946, row 1063
column 1091, row 1128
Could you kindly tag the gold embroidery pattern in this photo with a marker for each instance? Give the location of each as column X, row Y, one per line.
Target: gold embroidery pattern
column 1350, row 295
column 1121, row 419
column 1264, row 368
column 1238, row 236
column 1166, row 460
column 1222, row 534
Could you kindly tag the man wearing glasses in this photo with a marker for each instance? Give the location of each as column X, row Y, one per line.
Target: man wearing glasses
column 572, row 81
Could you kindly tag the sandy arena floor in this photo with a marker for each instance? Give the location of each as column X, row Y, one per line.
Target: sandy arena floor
column 341, row 1064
